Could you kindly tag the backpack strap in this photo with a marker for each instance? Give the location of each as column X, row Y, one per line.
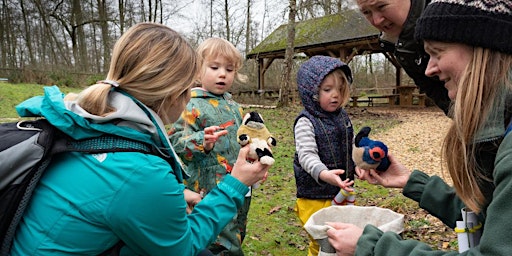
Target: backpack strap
column 64, row 143
column 509, row 128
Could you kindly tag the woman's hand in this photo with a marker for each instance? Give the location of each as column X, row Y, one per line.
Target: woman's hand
column 192, row 199
column 396, row 176
column 211, row 135
column 248, row 173
column 343, row 237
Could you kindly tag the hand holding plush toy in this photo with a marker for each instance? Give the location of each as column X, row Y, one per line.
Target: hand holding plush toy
column 254, row 132
column 369, row 154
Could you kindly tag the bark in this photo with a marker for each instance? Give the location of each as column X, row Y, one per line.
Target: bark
column 285, row 92
column 102, row 12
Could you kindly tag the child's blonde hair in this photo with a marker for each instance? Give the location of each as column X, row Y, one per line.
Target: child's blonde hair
column 215, row 47
column 152, row 63
column 341, row 79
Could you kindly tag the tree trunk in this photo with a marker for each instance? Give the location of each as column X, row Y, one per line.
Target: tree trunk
column 28, row 38
column 285, row 92
column 102, row 11
column 80, row 49
column 121, row 16
column 226, row 13
column 248, row 28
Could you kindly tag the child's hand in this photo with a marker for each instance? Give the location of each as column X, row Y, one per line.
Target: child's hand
column 192, row 199
column 211, row 135
column 333, row 177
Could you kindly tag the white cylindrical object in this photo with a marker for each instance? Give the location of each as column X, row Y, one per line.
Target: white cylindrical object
column 344, row 198
column 339, row 198
column 464, row 238
column 468, row 230
column 470, row 216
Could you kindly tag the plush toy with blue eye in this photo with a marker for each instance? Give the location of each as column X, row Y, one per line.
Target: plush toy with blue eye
column 369, row 154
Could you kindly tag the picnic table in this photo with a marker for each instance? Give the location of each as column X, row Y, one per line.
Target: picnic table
column 391, row 99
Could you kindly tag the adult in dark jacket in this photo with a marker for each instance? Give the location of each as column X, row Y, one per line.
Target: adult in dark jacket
column 477, row 69
column 396, row 19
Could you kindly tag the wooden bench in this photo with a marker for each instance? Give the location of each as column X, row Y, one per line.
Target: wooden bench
column 4, row 80
column 391, row 99
column 272, row 94
column 356, row 100
column 420, row 98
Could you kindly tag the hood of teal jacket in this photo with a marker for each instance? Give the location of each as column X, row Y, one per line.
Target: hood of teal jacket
column 131, row 119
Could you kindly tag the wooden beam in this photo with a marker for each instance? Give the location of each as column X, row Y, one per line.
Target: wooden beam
column 261, row 74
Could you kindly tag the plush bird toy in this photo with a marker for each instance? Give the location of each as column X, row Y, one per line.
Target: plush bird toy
column 254, row 132
column 369, row 154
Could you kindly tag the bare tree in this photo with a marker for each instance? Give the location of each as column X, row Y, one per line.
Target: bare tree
column 28, row 38
column 284, row 91
column 226, row 19
column 248, row 28
column 121, row 7
column 105, row 39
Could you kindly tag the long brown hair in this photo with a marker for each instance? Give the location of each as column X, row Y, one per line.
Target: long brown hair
column 486, row 73
column 152, row 63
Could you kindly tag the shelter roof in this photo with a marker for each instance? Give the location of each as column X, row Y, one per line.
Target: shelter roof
column 342, row 30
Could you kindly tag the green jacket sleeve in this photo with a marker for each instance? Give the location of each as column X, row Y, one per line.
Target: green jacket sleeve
column 430, row 193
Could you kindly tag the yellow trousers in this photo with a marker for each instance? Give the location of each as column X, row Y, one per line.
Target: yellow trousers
column 304, row 208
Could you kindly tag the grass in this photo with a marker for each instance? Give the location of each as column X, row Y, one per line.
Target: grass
column 273, row 228
column 13, row 94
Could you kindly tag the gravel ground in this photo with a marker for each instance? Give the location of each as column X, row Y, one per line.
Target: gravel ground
column 417, row 140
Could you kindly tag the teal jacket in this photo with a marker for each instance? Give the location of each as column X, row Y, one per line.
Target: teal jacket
column 439, row 199
column 86, row 203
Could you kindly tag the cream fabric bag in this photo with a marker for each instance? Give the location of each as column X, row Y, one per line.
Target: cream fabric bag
column 384, row 219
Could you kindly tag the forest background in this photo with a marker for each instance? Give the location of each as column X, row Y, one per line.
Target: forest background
column 69, row 42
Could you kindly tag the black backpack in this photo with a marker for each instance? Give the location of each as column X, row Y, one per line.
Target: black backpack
column 26, row 149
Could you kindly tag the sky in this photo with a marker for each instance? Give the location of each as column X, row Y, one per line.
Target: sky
column 199, row 12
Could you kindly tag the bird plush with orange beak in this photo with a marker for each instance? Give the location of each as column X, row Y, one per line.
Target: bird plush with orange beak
column 369, row 154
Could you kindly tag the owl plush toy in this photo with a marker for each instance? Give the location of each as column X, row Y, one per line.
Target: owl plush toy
column 254, row 132
column 369, row 154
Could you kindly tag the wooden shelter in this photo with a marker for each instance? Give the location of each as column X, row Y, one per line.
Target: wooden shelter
column 342, row 35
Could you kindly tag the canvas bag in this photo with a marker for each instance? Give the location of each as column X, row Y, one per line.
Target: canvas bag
column 384, row 219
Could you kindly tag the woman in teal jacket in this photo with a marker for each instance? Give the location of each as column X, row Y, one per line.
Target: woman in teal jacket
column 476, row 66
column 87, row 203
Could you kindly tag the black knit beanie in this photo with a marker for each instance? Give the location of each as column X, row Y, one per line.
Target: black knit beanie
column 482, row 23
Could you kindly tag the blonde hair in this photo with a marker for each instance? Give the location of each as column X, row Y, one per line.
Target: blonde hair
column 477, row 90
column 341, row 79
column 214, row 47
column 152, row 63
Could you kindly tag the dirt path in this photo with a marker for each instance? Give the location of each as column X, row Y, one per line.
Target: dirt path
column 418, row 139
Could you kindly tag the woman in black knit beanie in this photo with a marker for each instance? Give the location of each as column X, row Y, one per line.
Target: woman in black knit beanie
column 470, row 48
